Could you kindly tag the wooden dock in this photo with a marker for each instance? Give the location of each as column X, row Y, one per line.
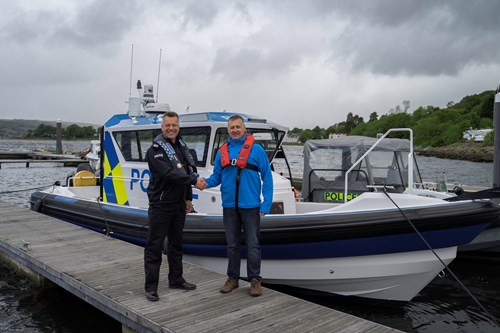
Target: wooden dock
column 108, row 274
column 66, row 162
column 39, row 157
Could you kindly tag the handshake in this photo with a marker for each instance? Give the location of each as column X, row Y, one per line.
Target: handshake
column 201, row 184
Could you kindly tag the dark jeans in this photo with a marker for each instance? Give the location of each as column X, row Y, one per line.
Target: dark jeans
column 164, row 224
column 234, row 220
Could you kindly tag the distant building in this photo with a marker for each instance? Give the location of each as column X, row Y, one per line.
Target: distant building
column 335, row 135
column 476, row 135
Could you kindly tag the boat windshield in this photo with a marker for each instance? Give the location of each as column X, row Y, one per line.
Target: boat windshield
column 134, row 144
column 269, row 139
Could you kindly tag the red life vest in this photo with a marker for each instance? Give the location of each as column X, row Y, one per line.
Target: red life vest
column 242, row 161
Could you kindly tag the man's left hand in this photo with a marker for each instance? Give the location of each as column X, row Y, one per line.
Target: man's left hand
column 189, row 206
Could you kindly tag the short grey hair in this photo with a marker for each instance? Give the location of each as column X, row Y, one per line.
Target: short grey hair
column 235, row 117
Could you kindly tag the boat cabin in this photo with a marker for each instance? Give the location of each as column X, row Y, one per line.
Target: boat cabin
column 125, row 172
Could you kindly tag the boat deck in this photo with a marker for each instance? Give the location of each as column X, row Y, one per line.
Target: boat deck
column 108, row 274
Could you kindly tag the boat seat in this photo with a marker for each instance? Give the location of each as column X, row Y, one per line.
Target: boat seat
column 84, row 178
column 84, row 166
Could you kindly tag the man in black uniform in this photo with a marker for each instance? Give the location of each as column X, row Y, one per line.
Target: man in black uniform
column 173, row 172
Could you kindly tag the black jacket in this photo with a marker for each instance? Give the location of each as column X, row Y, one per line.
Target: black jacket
column 169, row 186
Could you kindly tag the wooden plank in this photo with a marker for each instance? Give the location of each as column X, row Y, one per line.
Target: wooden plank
column 109, row 274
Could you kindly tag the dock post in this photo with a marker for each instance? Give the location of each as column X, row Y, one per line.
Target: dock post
column 496, row 152
column 59, row 136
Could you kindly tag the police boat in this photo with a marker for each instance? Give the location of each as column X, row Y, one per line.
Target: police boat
column 379, row 245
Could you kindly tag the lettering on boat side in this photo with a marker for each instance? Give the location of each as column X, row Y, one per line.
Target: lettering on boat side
column 338, row 196
column 142, row 178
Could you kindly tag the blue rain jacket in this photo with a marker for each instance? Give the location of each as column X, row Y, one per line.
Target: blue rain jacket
column 251, row 185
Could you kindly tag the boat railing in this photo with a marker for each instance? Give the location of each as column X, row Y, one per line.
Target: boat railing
column 410, row 158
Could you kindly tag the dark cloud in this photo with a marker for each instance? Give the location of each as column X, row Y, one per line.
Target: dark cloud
column 101, row 23
column 94, row 24
column 303, row 54
column 386, row 37
column 404, row 37
column 419, row 37
column 237, row 63
column 25, row 27
column 197, row 14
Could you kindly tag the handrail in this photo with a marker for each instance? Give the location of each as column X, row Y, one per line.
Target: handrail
column 410, row 158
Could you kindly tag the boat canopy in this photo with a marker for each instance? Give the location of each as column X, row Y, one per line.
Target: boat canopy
column 326, row 162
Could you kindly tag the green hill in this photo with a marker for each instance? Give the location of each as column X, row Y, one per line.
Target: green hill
column 18, row 128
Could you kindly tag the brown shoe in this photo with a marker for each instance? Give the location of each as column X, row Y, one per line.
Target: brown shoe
column 229, row 286
column 255, row 287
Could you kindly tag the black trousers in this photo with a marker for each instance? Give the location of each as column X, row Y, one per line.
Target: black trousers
column 164, row 224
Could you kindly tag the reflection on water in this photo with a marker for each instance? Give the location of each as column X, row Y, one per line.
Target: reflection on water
column 27, row 308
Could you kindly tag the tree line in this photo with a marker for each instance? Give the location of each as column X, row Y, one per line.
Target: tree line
column 73, row 131
column 432, row 126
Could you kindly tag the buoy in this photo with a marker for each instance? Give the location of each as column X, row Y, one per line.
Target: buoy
column 84, row 178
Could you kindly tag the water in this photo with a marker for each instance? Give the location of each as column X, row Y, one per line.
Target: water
column 443, row 306
column 431, row 169
column 29, row 309
column 68, row 147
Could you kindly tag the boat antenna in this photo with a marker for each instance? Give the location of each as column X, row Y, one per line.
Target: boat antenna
column 158, row 83
column 492, row 318
column 131, row 62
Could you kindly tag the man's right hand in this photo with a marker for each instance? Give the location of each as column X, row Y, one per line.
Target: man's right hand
column 201, row 184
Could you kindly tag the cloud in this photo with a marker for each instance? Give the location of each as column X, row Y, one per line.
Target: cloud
column 279, row 59
column 99, row 23
column 419, row 37
column 196, row 16
column 83, row 24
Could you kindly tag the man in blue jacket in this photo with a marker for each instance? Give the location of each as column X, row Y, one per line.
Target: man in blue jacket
column 242, row 168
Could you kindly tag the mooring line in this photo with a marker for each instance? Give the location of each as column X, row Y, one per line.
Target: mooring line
column 27, row 189
column 492, row 318
column 109, row 232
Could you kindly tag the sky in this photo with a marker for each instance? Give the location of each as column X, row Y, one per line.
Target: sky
column 300, row 63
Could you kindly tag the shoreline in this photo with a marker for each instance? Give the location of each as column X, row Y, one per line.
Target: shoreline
column 472, row 152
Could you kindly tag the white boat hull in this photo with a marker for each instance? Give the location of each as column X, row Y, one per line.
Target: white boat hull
column 394, row 276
